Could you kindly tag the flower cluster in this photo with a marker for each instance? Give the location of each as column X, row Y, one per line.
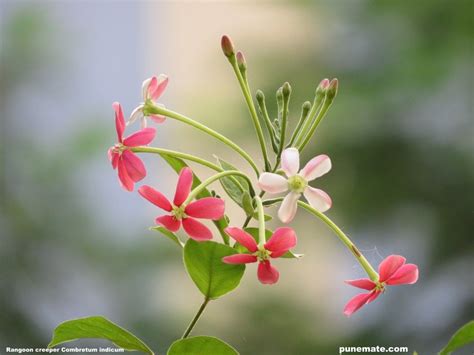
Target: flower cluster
column 189, row 205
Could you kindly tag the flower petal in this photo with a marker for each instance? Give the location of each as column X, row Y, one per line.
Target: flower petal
column 290, row 161
column 158, row 118
column 156, row 89
column 183, row 187
column 136, row 114
column 239, row 259
column 113, row 157
column 317, row 198
column 389, row 266
column 356, row 302
column 288, row 207
column 267, row 274
column 125, row 181
column 282, row 240
column 243, row 238
column 373, row 297
column 272, row 183
column 366, row 284
column 405, row 275
column 142, row 137
column 134, row 165
column 208, row 208
column 145, row 85
column 119, row 120
column 155, row 197
column 196, row 229
column 169, row 222
column 316, row 167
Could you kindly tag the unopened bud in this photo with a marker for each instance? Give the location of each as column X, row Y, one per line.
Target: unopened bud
column 306, row 107
column 286, row 89
column 241, row 61
column 260, row 96
column 332, row 89
column 279, row 96
column 227, row 46
column 322, row 87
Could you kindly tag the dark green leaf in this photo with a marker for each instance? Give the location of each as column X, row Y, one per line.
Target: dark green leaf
column 235, row 186
column 201, row 345
column 247, row 204
column 168, row 234
column 100, row 328
column 464, row 336
column 204, row 264
column 178, row 164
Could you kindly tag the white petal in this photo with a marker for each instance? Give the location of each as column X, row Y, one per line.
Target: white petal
column 288, row 207
column 318, row 199
column 273, row 183
column 136, row 114
column 316, row 167
column 145, row 86
column 290, row 161
column 143, row 123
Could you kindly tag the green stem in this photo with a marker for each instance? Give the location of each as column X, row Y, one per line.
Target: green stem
column 261, row 222
column 244, row 86
column 343, row 237
column 196, row 318
column 153, row 109
column 284, row 121
column 318, row 100
column 210, row 180
column 327, row 103
column 268, row 123
column 303, row 117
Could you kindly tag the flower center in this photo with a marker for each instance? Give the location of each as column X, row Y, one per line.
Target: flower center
column 262, row 254
column 380, row 286
column 119, row 148
column 178, row 213
column 297, row 183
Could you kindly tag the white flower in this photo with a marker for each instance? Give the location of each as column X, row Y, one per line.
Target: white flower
column 152, row 89
column 297, row 183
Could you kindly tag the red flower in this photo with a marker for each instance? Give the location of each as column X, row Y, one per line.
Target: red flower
column 130, row 167
column 282, row 240
column 392, row 271
column 206, row 208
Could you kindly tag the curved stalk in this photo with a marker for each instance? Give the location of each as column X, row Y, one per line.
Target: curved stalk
column 324, row 109
column 157, row 110
column 210, row 180
column 195, row 319
column 342, row 236
column 317, row 104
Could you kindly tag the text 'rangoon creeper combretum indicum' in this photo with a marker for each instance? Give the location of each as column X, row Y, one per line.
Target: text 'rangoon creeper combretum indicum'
column 217, row 267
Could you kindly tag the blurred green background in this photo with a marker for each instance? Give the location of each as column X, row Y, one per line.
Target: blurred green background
column 400, row 136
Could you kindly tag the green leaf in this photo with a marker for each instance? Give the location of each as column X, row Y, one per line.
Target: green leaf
column 464, row 336
column 266, row 217
column 178, row 164
column 247, row 204
column 235, row 186
column 268, row 233
column 168, row 234
column 100, row 328
column 201, row 345
column 203, row 261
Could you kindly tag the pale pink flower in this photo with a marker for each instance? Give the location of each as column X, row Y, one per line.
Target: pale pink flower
column 282, row 240
column 130, row 167
column 392, row 271
column 296, row 182
column 152, row 89
column 179, row 214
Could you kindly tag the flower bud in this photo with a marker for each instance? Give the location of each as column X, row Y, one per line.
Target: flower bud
column 322, row 87
column 227, row 46
column 241, row 61
column 260, row 97
column 286, row 89
column 332, row 89
column 306, row 107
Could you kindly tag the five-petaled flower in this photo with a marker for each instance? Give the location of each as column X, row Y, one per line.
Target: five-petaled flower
column 130, row 167
column 297, row 183
column 281, row 241
column 152, row 89
column 206, row 208
column 392, row 271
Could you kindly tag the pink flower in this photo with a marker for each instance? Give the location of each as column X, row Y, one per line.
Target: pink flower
column 296, row 181
column 152, row 89
column 130, row 167
column 392, row 271
column 206, row 208
column 282, row 240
